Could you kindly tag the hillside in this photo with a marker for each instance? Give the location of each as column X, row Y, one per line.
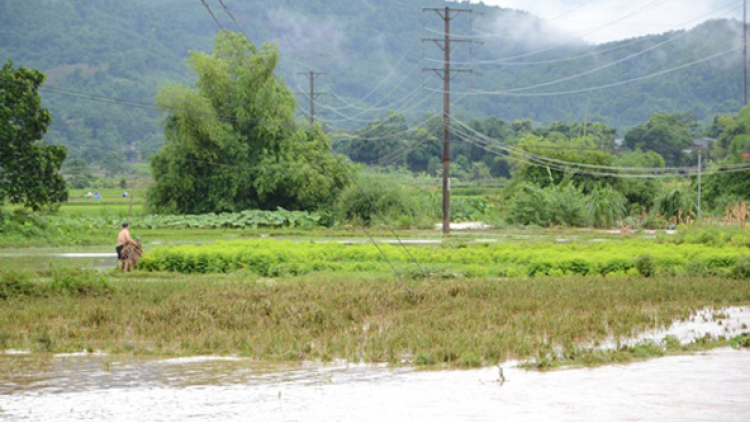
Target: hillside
column 126, row 50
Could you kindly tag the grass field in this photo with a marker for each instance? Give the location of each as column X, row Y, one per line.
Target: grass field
column 523, row 297
column 112, row 203
column 369, row 318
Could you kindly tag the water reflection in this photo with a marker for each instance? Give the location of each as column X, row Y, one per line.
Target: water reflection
column 709, row 386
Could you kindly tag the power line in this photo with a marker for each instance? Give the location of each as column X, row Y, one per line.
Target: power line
column 619, row 45
column 395, row 68
column 572, row 10
column 599, row 87
column 406, row 106
column 587, row 32
column 132, row 104
column 488, row 144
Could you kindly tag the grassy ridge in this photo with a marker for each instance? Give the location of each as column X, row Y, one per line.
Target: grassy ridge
column 273, row 257
column 368, row 318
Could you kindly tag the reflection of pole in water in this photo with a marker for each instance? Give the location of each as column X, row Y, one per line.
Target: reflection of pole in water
column 501, row 376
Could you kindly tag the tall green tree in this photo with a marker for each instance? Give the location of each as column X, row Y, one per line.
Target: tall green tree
column 667, row 134
column 229, row 142
column 640, row 192
column 79, row 174
column 729, row 184
column 378, row 142
column 114, row 164
column 29, row 169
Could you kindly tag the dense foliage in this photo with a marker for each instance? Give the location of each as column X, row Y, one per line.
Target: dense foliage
column 731, row 185
column 28, row 168
column 666, row 134
column 231, row 140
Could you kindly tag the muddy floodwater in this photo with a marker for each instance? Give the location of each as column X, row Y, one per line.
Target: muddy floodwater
column 709, row 386
column 712, row 386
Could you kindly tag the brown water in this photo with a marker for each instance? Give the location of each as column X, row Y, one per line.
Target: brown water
column 711, row 386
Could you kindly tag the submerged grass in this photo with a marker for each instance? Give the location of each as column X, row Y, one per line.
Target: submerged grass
column 370, row 318
column 587, row 356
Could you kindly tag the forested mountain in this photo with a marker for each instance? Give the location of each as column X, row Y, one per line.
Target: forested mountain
column 105, row 60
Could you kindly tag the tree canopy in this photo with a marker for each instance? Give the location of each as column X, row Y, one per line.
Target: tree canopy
column 231, row 143
column 730, row 185
column 667, row 134
column 29, row 169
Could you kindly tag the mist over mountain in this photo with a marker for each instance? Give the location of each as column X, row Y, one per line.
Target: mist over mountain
column 105, row 61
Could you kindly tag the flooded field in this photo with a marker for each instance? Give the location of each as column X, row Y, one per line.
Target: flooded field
column 703, row 387
column 706, row 386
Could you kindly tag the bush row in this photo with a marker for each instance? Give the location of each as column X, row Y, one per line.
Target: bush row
column 273, row 257
column 65, row 282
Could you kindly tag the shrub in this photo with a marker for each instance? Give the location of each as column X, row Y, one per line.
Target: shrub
column 741, row 269
column 372, row 196
column 606, row 207
column 528, row 206
column 424, row 359
column 565, row 205
column 16, row 284
column 78, row 283
column 677, row 204
column 646, row 265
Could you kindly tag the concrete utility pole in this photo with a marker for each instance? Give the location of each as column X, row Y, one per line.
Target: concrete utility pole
column 312, row 94
column 446, row 73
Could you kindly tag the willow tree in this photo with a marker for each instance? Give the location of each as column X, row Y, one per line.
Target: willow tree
column 231, row 142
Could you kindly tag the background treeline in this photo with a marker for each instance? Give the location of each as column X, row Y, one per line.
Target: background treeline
column 570, row 174
column 127, row 50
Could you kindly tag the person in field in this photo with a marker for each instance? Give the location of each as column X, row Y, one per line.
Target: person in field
column 122, row 239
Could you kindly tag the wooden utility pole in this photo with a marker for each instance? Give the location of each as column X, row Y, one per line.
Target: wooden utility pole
column 700, row 181
column 744, row 52
column 311, row 75
column 446, row 73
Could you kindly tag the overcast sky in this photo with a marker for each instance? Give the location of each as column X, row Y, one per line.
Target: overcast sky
column 607, row 20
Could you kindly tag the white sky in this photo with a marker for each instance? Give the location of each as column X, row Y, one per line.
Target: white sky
column 608, row 20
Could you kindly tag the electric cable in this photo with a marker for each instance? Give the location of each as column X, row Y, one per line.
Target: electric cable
column 571, row 167
column 587, row 32
column 598, row 87
column 618, row 46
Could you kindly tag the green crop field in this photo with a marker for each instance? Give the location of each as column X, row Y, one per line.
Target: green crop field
column 613, row 259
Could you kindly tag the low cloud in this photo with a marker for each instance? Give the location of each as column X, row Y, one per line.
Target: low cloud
column 601, row 21
column 299, row 35
column 521, row 29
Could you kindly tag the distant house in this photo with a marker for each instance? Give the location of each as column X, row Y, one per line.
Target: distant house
column 702, row 144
